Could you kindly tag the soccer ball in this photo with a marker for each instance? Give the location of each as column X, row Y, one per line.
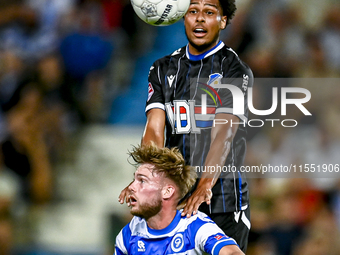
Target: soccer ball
column 160, row 12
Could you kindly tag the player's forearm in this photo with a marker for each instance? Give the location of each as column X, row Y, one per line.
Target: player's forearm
column 221, row 140
column 153, row 136
column 216, row 157
column 154, row 128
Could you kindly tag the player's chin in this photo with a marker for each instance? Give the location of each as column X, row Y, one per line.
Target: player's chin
column 134, row 211
column 200, row 44
column 138, row 213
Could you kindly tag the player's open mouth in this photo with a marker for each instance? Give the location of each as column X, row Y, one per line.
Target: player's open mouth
column 199, row 32
column 132, row 200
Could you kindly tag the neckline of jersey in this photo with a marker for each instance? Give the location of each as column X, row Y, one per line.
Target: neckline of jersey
column 205, row 54
column 169, row 228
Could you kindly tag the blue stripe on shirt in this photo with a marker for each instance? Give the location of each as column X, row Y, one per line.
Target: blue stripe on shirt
column 222, row 190
column 240, row 188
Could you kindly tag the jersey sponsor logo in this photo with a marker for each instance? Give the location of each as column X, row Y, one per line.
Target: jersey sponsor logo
column 171, row 79
column 141, row 246
column 188, row 116
column 177, row 242
column 150, row 91
column 185, row 117
column 245, row 83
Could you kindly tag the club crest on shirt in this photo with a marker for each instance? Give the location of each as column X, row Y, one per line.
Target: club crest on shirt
column 177, row 242
column 214, row 79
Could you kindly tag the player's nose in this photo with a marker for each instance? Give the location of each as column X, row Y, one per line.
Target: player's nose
column 132, row 186
column 200, row 17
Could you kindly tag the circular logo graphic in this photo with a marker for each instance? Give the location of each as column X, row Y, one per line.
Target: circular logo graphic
column 177, row 242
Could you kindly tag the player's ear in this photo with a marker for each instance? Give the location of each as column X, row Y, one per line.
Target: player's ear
column 168, row 191
column 224, row 21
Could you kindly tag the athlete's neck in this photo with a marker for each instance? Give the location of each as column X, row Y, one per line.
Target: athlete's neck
column 162, row 219
column 200, row 49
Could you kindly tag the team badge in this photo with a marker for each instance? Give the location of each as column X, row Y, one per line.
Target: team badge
column 214, row 79
column 177, row 242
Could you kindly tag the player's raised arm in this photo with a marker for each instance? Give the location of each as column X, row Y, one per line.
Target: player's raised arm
column 154, row 127
column 222, row 136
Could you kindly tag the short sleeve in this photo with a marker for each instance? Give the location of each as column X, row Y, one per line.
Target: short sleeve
column 210, row 238
column 155, row 93
column 122, row 241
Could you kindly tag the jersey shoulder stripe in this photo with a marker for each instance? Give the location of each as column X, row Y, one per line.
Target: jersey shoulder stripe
column 235, row 66
column 164, row 61
column 122, row 240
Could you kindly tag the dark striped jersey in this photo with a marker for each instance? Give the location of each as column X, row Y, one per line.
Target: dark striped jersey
column 195, row 235
column 192, row 89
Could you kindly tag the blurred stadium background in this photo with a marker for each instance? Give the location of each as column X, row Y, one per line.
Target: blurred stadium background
column 73, row 84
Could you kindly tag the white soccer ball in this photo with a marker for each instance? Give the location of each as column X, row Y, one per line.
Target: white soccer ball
column 160, row 12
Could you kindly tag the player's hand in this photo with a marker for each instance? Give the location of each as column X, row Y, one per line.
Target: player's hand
column 124, row 196
column 191, row 204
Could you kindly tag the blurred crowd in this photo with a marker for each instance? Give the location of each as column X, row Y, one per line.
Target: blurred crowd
column 62, row 64
column 294, row 43
column 288, row 38
column 55, row 61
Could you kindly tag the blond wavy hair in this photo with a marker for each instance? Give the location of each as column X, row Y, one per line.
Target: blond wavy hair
column 167, row 161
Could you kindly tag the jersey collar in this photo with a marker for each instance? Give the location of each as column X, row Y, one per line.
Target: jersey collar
column 169, row 228
column 205, row 54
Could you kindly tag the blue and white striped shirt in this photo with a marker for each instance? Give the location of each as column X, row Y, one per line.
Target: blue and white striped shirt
column 195, row 235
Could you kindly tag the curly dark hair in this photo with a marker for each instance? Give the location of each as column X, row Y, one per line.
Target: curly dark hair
column 167, row 161
column 228, row 8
